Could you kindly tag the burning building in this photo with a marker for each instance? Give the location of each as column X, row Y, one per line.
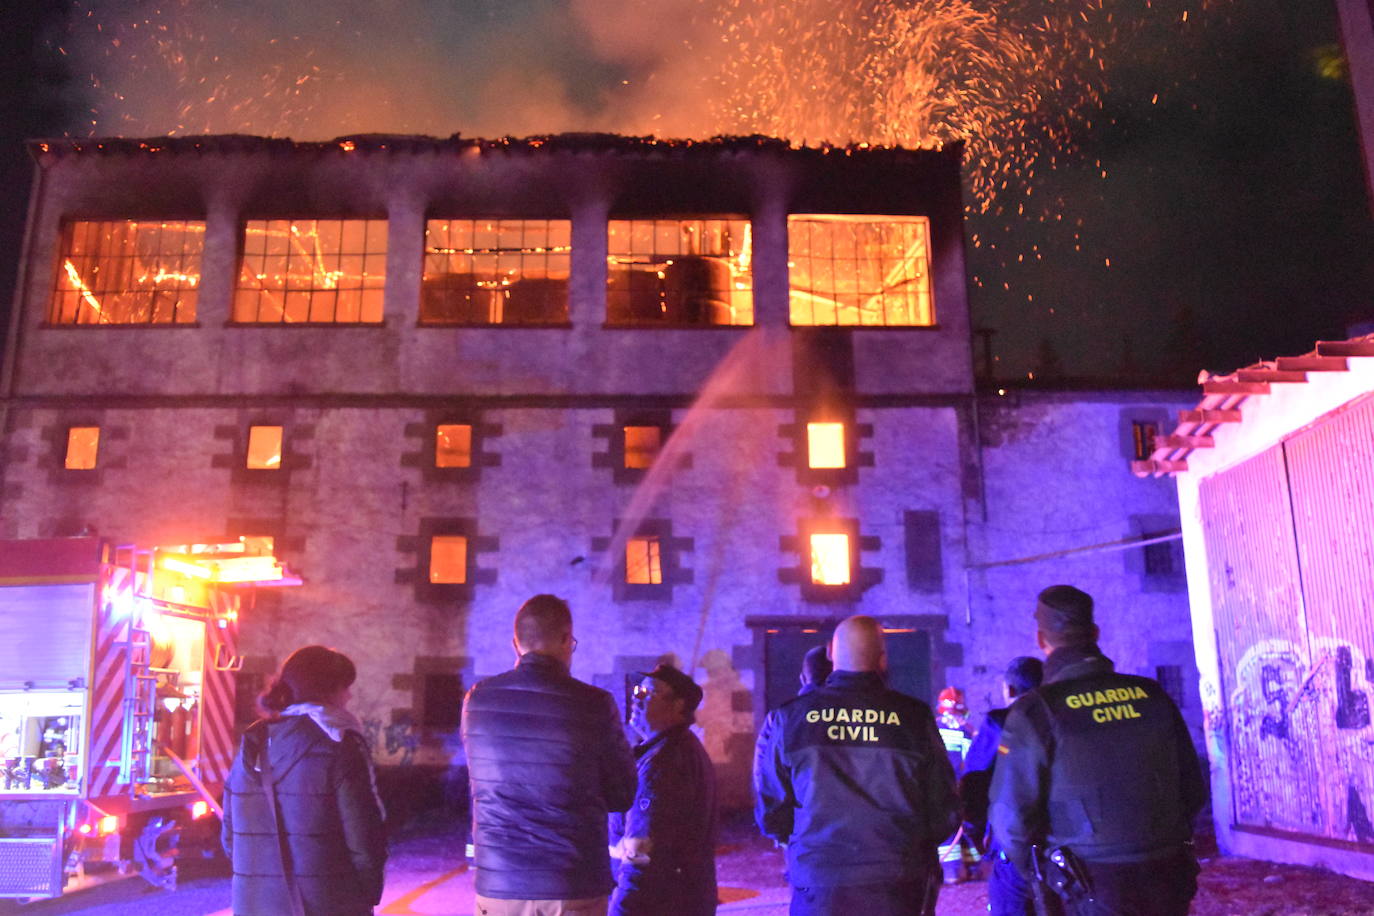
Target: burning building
column 717, row 394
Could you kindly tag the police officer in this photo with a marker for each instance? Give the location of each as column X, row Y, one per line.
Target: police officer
column 1098, row 772
column 853, row 779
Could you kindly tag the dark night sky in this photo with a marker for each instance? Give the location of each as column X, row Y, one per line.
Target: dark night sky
column 1232, row 222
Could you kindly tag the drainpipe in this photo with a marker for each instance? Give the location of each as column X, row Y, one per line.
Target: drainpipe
column 9, row 369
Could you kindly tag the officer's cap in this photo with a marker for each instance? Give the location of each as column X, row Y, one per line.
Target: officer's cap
column 683, row 687
column 1065, row 612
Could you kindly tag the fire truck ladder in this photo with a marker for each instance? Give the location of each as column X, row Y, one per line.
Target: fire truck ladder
column 140, row 696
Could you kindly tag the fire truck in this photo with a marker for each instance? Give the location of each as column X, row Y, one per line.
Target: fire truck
column 117, row 673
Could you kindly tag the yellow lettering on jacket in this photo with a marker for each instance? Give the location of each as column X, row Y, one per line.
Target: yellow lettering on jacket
column 1105, row 714
column 1106, row 697
column 853, row 716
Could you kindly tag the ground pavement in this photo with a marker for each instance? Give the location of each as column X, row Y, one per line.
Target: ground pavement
column 426, row 877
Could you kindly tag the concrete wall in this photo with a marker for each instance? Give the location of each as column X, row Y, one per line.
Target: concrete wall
column 1057, row 479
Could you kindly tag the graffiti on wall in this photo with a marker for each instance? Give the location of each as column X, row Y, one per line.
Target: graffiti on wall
column 1301, row 737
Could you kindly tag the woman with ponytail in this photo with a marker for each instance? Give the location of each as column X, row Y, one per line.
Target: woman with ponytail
column 302, row 820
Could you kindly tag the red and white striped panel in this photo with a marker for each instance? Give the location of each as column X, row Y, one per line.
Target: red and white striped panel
column 107, row 682
column 217, row 739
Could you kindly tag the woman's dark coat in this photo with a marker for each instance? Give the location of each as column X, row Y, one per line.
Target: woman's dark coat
column 329, row 814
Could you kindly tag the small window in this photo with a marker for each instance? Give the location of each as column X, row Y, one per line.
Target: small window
column 679, row 272
column 453, row 445
column 442, row 701
column 642, row 444
column 83, row 443
column 264, row 448
column 1160, row 558
column 1143, row 436
column 311, row 270
column 871, row 271
column 825, row 445
column 643, row 561
column 1170, row 677
column 496, row 271
column 128, row 272
column 448, row 559
column 830, row 559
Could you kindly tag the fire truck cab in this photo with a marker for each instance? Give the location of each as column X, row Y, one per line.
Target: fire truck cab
column 117, row 677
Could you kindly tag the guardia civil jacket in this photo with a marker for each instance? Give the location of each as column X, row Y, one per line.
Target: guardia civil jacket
column 1096, row 761
column 547, row 762
column 853, row 778
column 329, row 814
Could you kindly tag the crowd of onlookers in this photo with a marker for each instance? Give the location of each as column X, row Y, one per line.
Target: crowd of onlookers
column 1081, row 792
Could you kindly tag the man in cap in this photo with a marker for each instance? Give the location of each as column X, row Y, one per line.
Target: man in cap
column 853, row 779
column 1097, row 776
column 1008, row 893
column 667, row 840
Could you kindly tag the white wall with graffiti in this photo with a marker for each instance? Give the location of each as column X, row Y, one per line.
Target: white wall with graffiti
column 1278, row 522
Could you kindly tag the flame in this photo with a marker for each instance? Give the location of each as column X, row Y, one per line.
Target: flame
column 74, row 277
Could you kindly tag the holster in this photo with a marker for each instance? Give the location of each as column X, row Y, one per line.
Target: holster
column 1058, row 869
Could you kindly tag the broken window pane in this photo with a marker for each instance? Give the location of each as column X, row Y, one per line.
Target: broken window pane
column 315, row 270
column 641, row 445
column 643, row 561
column 128, row 272
column 830, row 559
column 83, row 443
column 859, row 270
column 453, row 445
column 496, row 271
column 264, row 448
column 448, row 559
column 825, row 445
column 680, row 271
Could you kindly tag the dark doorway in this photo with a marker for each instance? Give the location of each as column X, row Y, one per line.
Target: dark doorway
column 784, row 645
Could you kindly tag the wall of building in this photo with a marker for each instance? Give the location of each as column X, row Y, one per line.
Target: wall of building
column 1056, row 479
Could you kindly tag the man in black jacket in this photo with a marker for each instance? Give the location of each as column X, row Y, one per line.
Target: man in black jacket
column 853, row 779
column 1099, row 765
column 547, row 761
column 667, row 840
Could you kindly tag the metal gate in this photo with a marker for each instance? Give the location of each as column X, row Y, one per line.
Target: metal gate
column 1290, row 556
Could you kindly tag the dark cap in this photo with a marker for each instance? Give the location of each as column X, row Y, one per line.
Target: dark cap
column 683, row 687
column 1024, row 673
column 1065, row 612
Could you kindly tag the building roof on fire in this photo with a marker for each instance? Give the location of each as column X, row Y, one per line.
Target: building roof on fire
column 586, row 143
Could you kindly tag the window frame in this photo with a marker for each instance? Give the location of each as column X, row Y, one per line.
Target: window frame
column 95, row 449
column 425, row 253
column 925, row 298
column 65, row 256
column 310, row 321
column 681, row 218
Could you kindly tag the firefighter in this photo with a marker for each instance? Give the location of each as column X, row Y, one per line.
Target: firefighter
column 1097, row 782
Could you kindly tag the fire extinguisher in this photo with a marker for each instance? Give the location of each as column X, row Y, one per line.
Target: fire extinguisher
column 178, row 728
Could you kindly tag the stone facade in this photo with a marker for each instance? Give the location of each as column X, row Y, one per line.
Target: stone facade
column 940, row 481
